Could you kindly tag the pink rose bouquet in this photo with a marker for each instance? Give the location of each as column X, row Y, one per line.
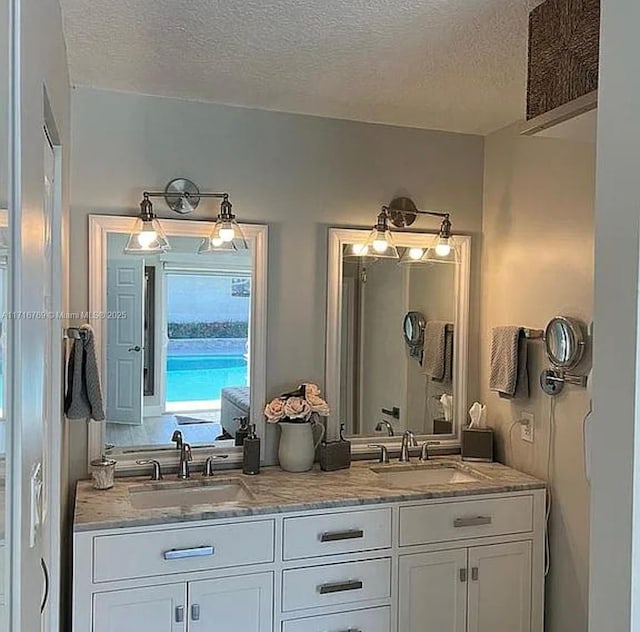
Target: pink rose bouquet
column 298, row 406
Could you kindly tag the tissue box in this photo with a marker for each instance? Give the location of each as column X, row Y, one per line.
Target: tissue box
column 335, row 455
column 477, row 445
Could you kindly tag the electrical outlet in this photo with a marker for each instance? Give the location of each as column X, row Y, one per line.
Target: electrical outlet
column 526, row 427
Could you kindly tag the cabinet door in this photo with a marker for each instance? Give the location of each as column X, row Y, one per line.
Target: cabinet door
column 433, row 592
column 500, row 588
column 232, row 604
column 152, row 609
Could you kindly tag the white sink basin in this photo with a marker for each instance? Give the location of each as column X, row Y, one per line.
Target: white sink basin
column 189, row 493
column 421, row 475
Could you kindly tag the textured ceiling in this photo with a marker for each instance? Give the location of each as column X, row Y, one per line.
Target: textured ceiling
column 456, row 65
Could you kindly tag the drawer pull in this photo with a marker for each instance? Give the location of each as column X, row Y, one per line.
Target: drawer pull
column 477, row 521
column 328, row 589
column 181, row 554
column 336, row 536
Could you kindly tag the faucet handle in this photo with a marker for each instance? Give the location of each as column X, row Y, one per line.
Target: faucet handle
column 156, row 474
column 424, row 455
column 186, row 452
column 208, row 464
column 384, row 453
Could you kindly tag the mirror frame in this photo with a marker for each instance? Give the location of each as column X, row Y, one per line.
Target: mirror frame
column 338, row 237
column 256, row 234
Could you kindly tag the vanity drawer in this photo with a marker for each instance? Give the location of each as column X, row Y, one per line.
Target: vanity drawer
column 130, row 556
column 336, row 584
column 329, row 534
column 462, row 520
column 372, row 620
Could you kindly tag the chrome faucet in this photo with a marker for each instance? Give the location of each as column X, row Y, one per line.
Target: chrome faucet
column 176, row 437
column 408, row 441
column 185, row 457
column 384, row 424
column 208, row 464
column 424, row 454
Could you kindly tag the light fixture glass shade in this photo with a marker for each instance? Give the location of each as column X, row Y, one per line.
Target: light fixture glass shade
column 147, row 236
column 413, row 255
column 443, row 250
column 226, row 236
column 380, row 245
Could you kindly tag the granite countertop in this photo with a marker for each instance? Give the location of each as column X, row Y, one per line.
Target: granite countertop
column 276, row 491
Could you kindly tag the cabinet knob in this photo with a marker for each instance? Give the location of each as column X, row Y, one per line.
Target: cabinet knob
column 195, row 612
column 179, row 614
column 475, row 574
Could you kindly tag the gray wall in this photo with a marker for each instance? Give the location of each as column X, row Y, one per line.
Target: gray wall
column 537, row 263
column 299, row 174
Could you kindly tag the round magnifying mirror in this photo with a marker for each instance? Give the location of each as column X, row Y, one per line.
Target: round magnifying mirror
column 564, row 342
column 413, row 328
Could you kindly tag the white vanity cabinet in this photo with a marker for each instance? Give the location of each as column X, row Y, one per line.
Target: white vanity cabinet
column 481, row 589
column 455, row 564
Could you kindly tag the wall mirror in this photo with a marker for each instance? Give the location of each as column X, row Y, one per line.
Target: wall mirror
column 180, row 338
column 397, row 341
column 564, row 342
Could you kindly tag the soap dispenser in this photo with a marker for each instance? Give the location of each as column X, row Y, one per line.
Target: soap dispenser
column 243, row 430
column 251, row 453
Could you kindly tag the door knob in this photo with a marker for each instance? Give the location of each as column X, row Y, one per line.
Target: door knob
column 136, row 348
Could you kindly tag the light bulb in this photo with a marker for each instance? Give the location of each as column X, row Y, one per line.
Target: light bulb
column 147, row 237
column 415, row 253
column 443, row 249
column 380, row 244
column 216, row 242
column 359, row 249
column 227, row 233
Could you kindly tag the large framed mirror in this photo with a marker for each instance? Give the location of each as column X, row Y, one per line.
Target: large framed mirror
column 397, row 341
column 180, row 340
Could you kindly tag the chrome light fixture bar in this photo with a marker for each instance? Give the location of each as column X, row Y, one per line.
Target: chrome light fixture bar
column 182, row 196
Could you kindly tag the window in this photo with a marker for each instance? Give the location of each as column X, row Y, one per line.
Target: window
column 241, row 287
column 207, row 314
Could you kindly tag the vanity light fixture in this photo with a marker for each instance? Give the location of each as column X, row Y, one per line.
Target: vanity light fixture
column 402, row 213
column 182, row 196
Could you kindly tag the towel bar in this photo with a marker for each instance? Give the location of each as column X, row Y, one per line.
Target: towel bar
column 73, row 333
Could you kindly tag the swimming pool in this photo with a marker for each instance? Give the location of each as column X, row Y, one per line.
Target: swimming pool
column 202, row 377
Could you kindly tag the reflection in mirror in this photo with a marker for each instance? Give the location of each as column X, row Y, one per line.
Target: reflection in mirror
column 5, row 243
column 402, row 332
column 177, row 342
column 564, row 342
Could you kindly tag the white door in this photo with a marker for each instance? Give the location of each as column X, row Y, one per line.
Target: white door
column 152, row 609
column 232, row 604
column 500, row 588
column 433, row 592
column 125, row 331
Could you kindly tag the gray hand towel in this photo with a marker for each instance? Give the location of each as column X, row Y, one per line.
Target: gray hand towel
column 448, row 356
column 509, row 375
column 435, row 347
column 83, row 399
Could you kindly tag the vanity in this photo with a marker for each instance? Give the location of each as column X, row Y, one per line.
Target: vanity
column 441, row 546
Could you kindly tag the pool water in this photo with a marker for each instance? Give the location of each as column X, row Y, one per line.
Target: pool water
column 202, row 377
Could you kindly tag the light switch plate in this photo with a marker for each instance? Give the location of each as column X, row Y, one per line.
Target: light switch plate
column 527, row 427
